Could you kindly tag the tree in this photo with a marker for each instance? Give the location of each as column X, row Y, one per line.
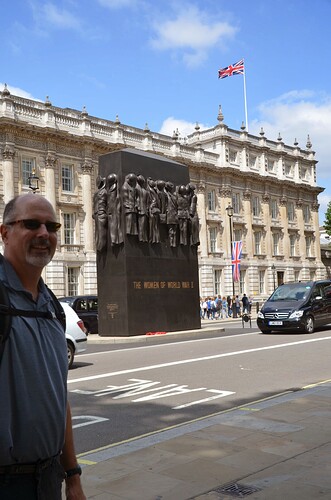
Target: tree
column 327, row 222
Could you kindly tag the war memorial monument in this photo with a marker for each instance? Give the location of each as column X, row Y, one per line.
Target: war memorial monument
column 147, row 233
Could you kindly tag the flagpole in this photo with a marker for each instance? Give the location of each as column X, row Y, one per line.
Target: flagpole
column 245, row 98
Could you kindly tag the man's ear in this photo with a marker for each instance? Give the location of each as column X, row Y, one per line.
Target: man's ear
column 4, row 232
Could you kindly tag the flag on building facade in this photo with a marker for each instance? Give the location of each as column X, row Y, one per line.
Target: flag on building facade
column 234, row 69
column 237, row 247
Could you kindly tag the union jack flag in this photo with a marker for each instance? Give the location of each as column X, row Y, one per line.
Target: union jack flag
column 234, row 69
column 237, row 247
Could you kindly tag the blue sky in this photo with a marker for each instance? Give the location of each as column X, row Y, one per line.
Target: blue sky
column 157, row 61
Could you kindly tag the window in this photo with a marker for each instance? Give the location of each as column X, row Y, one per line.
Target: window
column 274, row 209
column 236, row 203
column 217, row 281
column 275, row 243
column 289, row 169
column 308, row 246
column 237, row 235
column 306, row 214
column 261, row 281
column 257, row 242
column 213, row 238
column 305, row 174
column 312, row 275
column 72, row 277
column 67, row 178
column 233, row 156
column 69, row 223
column 256, row 206
column 296, row 275
column 28, row 165
column 272, row 165
column 292, row 245
column 211, row 201
column 252, row 161
column 290, row 211
column 242, row 279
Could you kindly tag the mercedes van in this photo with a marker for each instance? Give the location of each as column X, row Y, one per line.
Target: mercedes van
column 299, row 306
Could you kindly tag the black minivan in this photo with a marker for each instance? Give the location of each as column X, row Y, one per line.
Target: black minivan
column 295, row 306
column 86, row 307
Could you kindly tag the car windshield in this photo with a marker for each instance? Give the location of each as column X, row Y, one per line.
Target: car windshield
column 295, row 291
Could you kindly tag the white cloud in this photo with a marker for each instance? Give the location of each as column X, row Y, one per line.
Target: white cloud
column 184, row 128
column 50, row 15
column 60, row 18
column 192, row 32
column 18, row 91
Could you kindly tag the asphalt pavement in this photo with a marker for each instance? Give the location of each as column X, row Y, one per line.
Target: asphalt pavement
column 275, row 448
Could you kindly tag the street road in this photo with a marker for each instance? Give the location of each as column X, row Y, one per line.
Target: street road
column 121, row 391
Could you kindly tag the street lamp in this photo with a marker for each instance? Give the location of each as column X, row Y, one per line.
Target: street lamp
column 273, row 268
column 229, row 211
column 33, row 181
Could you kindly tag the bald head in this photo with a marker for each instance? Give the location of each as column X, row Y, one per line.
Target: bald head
column 18, row 206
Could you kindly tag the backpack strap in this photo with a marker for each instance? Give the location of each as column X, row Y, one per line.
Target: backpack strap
column 59, row 311
column 5, row 319
column 7, row 312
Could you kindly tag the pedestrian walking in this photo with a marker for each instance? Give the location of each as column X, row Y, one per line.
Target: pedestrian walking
column 245, row 303
column 37, row 450
column 224, row 310
column 229, row 301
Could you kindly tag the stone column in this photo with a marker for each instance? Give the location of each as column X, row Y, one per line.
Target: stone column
column 87, row 170
column 248, row 220
column 8, row 155
column 301, row 227
column 267, row 225
column 50, row 191
column 284, row 224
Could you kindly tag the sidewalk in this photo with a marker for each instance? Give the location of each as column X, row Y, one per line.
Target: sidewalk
column 273, row 449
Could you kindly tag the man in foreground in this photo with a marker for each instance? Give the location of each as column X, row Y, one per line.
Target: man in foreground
column 36, row 439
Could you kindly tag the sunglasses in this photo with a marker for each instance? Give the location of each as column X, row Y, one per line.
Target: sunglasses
column 33, row 224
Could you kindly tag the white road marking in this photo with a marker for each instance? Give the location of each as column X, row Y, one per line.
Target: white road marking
column 220, row 394
column 89, row 420
column 194, row 360
column 138, row 387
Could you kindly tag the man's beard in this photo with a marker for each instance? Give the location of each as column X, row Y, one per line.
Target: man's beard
column 42, row 259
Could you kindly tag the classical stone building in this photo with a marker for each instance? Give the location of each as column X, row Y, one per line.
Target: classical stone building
column 270, row 186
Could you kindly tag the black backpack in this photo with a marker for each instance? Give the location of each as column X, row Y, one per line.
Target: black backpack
column 6, row 313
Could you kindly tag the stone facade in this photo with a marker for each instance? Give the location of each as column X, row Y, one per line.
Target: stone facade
column 271, row 187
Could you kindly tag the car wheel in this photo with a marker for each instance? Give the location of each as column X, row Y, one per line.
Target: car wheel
column 265, row 331
column 87, row 327
column 309, row 324
column 71, row 354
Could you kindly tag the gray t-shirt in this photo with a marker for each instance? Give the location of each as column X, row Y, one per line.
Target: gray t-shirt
column 33, row 379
